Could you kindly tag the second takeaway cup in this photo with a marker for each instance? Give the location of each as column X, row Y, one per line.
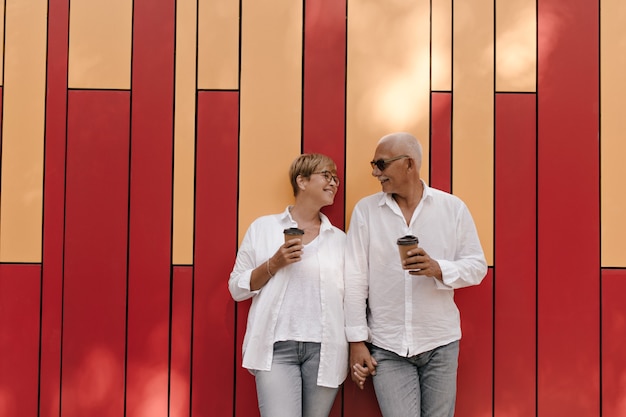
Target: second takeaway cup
column 292, row 232
column 405, row 244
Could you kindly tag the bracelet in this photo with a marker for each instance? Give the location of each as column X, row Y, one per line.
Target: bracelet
column 267, row 264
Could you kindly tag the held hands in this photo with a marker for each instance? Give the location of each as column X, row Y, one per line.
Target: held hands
column 362, row 364
column 419, row 263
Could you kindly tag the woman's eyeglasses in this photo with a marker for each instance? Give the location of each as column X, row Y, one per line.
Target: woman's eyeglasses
column 381, row 164
column 328, row 176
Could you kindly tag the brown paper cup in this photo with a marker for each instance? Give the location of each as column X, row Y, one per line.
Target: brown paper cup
column 405, row 244
column 292, row 232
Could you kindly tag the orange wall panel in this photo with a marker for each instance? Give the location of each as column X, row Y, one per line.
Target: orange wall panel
column 184, row 131
column 218, row 44
column 2, row 21
column 387, row 84
column 612, row 128
column 100, row 44
column 441, row 45
column 23, row 114
column 516, row 45
column 472, row 108
column 270, row 110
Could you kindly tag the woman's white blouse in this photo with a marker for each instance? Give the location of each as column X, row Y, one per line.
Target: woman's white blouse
column 261, row 241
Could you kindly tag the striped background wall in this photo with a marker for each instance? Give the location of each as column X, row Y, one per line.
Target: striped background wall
column 141, row 137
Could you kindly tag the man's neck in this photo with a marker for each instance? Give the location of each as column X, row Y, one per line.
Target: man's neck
column 409, row 201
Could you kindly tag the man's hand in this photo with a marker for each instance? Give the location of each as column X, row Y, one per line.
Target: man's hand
column 419, row 263
column 362, row 364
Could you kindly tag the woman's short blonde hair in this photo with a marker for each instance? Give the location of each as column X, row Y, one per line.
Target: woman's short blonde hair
column 306, row 164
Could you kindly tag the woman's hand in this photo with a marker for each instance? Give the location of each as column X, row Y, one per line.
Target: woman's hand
column 288, row 253
column 362, row 364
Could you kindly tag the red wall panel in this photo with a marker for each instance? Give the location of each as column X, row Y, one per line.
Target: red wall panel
column 54, row 208
column 150, row 227
column 180, row 364
column 568, row 209
column 324, row 89
column 214, row 341
column 515, row 255
column 94, row 293
column 19, row 339
column 246, row 404
column 358, row 402
column 441, row 141
column 475, row 382
column 613, row 342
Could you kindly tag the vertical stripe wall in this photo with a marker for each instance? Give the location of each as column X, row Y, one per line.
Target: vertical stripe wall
column 140, row 138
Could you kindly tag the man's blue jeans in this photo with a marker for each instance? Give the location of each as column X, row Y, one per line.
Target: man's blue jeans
column 423, row 385
column 290, row 388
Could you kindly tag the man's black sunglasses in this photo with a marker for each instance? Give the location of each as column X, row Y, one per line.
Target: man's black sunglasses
column 381, row 164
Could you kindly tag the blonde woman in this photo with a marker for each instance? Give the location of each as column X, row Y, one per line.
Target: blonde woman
column 295, row 344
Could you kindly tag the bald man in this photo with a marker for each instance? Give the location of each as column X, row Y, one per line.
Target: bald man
column 401, row 320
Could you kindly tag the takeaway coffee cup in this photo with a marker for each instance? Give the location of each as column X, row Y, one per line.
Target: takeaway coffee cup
column 405, row 244
column 292, row 233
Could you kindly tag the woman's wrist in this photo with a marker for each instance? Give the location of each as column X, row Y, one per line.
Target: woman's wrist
column 267, row 265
